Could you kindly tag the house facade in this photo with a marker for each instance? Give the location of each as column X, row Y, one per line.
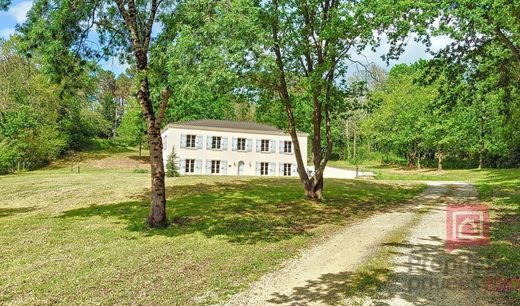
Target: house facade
column 220, row 147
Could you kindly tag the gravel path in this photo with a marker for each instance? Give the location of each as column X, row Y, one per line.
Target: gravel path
column 317, row 275
column 425, row 274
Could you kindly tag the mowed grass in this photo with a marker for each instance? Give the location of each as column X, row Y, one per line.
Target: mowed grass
column 428, row 174
column 501, row 191
column 72, row 238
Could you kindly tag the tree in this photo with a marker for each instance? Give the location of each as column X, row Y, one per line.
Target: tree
column 125, row 29
column 299, row 50
column 171, row 165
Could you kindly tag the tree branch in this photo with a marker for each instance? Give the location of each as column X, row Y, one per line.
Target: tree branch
column 508, row 43
column 165, row 96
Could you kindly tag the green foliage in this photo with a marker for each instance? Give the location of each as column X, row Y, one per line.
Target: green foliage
column 171, row 165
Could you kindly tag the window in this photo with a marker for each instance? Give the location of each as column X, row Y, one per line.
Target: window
column 264, row 145
column 215, row 166
column 287, row 147
column 216, row 142
column 287, row 169
column 190, row 166
column 264, row 168
column 241, row 144
column 191, row 141
column 165, row 142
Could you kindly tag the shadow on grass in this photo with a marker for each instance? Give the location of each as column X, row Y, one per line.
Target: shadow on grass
column 254, row 210
column 7, row 212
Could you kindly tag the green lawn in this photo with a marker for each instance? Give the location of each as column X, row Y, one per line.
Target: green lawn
column 501, row 191
column 402, row 174
column 80, row 238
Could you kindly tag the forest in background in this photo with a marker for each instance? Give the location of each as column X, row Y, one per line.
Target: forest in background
column 460, row 109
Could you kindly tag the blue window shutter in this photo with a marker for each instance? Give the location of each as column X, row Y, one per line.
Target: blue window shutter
column 258, row 144
column 223, row 167
column 272, row 169
column 198, row 141
column 272, row 146
column 209, row 140
column 183, row 141
column 182, row 165
column 224, row 143
column 198, row 166
column 165, row 142
column 294, row 169
column 208, row 166
column 280, row 169
column 280, row 146
column 249, row 144
column 234, row 144
column 257, row 169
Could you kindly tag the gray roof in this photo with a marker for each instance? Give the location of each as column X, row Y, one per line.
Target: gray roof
column 249, row 126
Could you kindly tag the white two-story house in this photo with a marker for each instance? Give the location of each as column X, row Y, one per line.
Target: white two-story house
column 220, row 147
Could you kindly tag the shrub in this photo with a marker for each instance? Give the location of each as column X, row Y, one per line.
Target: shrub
column 171, row 166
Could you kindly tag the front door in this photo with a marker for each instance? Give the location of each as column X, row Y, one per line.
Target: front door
column 241, row 167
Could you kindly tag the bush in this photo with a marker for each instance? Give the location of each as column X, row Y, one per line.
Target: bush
column 171, row 166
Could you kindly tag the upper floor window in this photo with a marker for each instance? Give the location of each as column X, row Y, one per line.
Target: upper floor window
column 190, row 166
column 191, row 141
column 287, row 169
column 264, row 168
column 241, row 144
column 264, row 145
column 216, row 142
column 287, row 147
column 215, row 166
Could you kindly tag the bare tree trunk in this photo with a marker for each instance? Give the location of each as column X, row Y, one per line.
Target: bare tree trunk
column 440, row 157
column 348, row 141
column 354, row 144
column 481, row 140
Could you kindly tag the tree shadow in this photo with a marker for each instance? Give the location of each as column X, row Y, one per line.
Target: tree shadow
column 8, row 212
column 253, row 210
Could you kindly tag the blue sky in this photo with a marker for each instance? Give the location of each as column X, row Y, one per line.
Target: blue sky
column 414, row 51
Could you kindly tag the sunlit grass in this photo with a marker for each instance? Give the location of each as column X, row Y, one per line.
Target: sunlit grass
column 81, row 238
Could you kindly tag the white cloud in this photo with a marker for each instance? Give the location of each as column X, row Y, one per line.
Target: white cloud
column 19, row 11
column 5, row 33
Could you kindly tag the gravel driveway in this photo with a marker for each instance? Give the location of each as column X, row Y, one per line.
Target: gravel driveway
column 319, row 274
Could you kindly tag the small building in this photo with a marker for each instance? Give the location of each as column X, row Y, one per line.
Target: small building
column 221, row 147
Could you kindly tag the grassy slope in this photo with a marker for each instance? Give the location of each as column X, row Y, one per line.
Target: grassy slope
column 80, row 238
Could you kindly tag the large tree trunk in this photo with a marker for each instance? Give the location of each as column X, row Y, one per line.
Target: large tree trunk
column 140, row 30
column 313, row 189
column 157, row 216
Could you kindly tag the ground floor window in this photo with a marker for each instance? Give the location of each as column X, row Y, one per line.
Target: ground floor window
column 215, row 166
column 287, row 169
column 190, row 166
column 264, row 168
